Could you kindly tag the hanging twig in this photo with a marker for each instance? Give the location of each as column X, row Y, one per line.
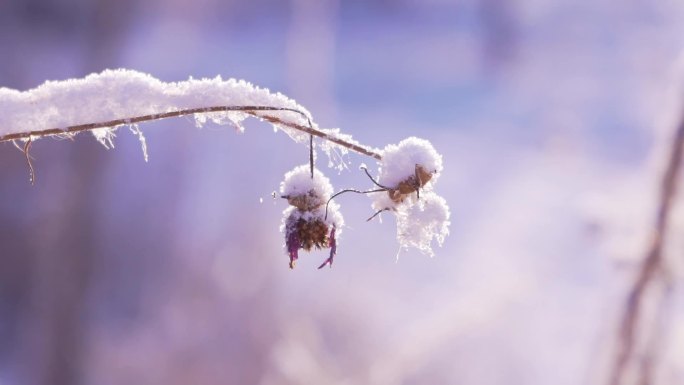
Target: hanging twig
column 365, row 169
column 311, row 154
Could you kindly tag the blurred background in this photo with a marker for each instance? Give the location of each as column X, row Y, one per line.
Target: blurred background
column 552, row 117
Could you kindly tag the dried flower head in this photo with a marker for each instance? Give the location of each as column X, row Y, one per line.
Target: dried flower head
column 408, row 172
column 406, row 168
column 399, row 161
column 410, row 185
column 305, row 223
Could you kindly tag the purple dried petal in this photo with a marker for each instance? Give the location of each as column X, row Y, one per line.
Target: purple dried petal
column 292, row 243
column 333, row 249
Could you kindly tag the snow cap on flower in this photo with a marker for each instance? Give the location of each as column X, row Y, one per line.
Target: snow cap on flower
column 406, row 169
column 399, row 161
column 423, row 221
column 305, row 192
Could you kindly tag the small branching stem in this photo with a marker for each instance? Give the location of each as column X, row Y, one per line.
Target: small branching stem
column 256, row 111
column 346, row 191
column 311, row 154
column 365, row 169
column 652, row 265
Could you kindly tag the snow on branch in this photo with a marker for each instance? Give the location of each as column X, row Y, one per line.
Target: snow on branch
column 102, row 102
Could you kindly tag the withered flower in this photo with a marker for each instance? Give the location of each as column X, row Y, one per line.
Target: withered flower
column 406, row 168
column 408, row 172
column 305, row 223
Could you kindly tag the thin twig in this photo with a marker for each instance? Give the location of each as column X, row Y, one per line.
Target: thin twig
column 255, row 111
column 346, row 191
column 311, row 154
column 652, row 263
column 365, row 169
column 377, row 213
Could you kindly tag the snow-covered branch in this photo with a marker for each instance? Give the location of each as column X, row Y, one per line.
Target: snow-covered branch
column 123, row 97
column 101, row 103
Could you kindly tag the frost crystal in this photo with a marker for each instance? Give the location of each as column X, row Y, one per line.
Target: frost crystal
column 143, row 142
column 105, row 136
column 337, row 154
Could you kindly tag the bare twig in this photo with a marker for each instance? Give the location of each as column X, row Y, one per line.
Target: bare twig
column 365, row 169
column 311, row 154
column 652, row 263
column 377, row 213
column 346, row 191
column 256, row 111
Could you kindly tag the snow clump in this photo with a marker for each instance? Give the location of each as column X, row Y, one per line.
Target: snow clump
column 422, row 221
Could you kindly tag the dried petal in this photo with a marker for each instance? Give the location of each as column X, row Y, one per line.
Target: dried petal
column 332, row 242
column 292, row 245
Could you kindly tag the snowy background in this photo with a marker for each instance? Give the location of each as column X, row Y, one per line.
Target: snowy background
column 551, row 117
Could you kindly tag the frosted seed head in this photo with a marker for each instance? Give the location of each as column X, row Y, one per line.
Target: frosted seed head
column 305, row 202
column 305, row 223
column 413, row 162
column 406, row 169
column 311, row 230
column 410, row 185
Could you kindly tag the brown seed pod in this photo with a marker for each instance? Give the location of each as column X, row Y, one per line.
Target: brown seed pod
column 410, row 185
column 311, row 233
column 306, row 202
column 306, row 224
column 308, row 232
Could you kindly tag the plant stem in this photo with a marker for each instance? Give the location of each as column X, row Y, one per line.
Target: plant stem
column 652, row 263
column 251, row 110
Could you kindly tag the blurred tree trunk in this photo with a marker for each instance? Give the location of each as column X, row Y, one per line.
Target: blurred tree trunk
column 64, row 246
column 500, row 29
